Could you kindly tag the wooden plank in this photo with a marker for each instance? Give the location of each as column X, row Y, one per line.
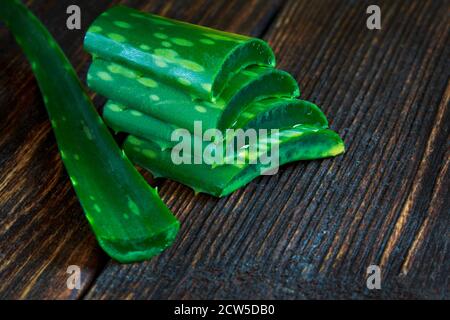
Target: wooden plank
column 42, row 229
column 312, row 230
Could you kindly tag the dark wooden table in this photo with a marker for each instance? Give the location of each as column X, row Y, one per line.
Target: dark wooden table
column 309, row 232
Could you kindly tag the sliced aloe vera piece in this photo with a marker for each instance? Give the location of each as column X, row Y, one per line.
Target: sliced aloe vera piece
column 129, row 219
column 266, row 114
column 301, row 143
column 182, row 54
column 149, row 96
column 174, row 106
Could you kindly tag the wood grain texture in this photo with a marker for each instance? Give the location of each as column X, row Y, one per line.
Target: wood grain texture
column 312, row 230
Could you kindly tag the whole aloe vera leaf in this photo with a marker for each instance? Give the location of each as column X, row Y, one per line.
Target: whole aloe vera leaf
column 129, row 219
column 174, row 106
column 183, row 54
column 301, row 143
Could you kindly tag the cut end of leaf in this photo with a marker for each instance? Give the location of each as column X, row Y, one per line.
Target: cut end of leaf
column 135, row 250
column 251, row 52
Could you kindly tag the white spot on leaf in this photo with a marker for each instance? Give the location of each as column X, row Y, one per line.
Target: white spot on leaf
column 104, row 76
column 148, row 82
column 122, row 24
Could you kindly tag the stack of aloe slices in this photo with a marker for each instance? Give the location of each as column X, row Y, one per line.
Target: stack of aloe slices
column 161, row 75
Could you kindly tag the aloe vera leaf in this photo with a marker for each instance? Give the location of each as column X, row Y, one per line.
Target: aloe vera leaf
column 129, row 219
column 178, row 52
column 265, row 114
column 301, row 143
column 174, row 106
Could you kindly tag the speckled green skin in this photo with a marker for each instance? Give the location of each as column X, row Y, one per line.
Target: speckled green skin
column 201, row 75
column 162, row 48
column 128, row 217
column 121, row 119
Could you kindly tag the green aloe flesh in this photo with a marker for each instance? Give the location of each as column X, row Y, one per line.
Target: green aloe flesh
column 177, row 52
column 281, row 114
column 161, row 75
column 129, row 219
column 254, row 84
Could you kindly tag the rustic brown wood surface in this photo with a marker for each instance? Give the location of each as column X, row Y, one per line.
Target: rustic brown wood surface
column 310, row 231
